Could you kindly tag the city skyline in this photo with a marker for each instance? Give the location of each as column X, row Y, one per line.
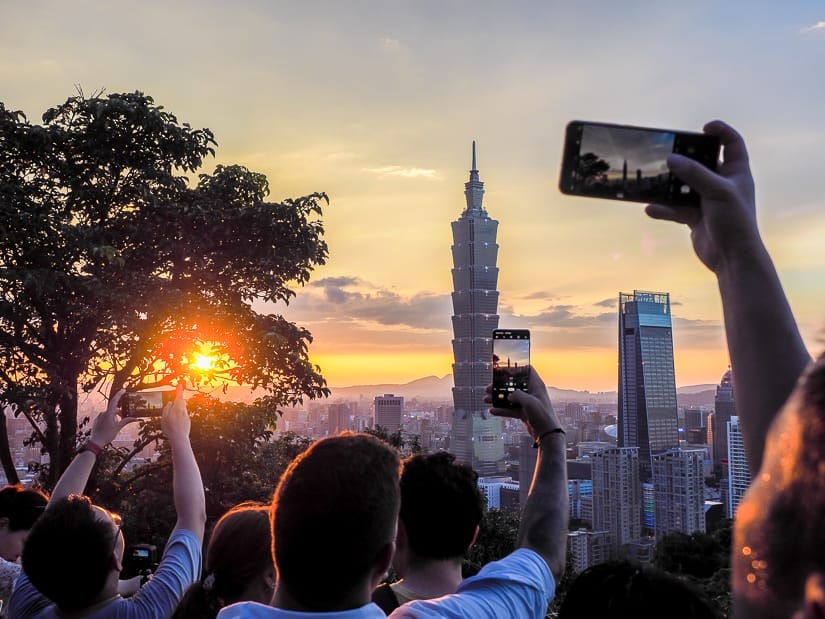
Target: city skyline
column 375, row 103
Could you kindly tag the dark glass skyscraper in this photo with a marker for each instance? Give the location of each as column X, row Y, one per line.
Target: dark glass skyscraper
column 724, row 409
column 476, row 438
column 647, row 381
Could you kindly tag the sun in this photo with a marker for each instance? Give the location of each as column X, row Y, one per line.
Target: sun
column 203, row 363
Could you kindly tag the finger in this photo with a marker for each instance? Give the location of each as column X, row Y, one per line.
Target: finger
column 689, row 215
column 730, row 139
column 179, row 389
column 513, row 413
column 125, row 421
column 115, row 400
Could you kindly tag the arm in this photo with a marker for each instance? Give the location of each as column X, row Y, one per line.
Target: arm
column 544, row 518
column 104, row 430
column 766, row 350
column 187, row 485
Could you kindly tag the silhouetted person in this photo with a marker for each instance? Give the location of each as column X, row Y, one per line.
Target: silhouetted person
column 237, row 566
column 441, row 508
column 622, row 590
column 335, row 514
column 778, row 552
column 74, row 553
column 19, row 509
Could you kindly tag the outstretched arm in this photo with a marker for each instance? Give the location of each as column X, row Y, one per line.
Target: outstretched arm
column 545, row 516
column 766, row 349
column 187, row 485
column 104, row 430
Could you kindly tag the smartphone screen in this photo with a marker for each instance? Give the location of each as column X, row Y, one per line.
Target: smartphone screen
column 145, row 403
column 620, row 162
column 511, row 364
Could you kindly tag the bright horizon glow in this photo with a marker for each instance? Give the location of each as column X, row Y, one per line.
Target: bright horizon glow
column 377, row 102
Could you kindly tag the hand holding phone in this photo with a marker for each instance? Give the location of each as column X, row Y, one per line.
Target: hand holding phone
column 511, row 365
column 622, row 162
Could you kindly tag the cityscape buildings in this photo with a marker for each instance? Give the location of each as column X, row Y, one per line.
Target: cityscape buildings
column 617, row 501
column 388, row 410
column 739, row 475
column 647, row 381
column 476, row 437
column 678, row 486
column 724, row 409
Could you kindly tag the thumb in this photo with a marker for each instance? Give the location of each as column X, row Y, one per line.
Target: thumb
column 700, row 178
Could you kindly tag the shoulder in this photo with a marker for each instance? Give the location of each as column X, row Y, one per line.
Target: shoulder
column 252, row 610
column 519, row 585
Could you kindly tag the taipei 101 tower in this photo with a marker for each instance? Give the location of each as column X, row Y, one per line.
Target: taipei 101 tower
column 477, row 437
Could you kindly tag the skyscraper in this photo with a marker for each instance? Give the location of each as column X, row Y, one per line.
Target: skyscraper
column 678, row 483
column 724, row 409
column 739, row 474
column 617, row 502
column 476, row 438
column 647, row 381
column 389, row 409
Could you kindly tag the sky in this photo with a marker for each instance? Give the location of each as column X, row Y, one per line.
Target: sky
column 377, row 102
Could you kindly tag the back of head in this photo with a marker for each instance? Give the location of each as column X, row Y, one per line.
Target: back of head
column 68, row 554
column 21, row 507
column 441, row 505
column 334, row 511
column 620, row 589
column 239, row 552
column 770, row 567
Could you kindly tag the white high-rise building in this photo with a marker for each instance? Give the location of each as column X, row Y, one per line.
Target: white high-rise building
column 617, row 501
column 678, row 485
column 739, row 475
column 588, row 548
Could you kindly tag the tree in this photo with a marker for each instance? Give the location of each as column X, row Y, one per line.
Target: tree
column 697, row 554
column 497, row 535
column 239, row 456
column 114, row 268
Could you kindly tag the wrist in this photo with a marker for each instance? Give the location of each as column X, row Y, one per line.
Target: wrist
column 92, row 447
column 547, row 435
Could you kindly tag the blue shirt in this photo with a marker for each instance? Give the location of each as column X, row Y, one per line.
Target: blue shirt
column 519, row 585
column 179, row 567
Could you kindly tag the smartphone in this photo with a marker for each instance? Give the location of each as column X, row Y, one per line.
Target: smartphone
column 145, row 403
column 511, row 364
column 621, row 162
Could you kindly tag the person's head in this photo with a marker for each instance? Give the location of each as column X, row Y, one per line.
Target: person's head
column 778, row 552
column 19, row 509
column 441, row 508
column 619, row 589
column 334, row 517
column 72, row 551
column 238, row 565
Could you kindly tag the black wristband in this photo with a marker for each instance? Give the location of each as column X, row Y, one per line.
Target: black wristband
column 540, row 438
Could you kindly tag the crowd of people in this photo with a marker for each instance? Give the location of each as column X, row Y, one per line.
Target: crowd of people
column 348, row 509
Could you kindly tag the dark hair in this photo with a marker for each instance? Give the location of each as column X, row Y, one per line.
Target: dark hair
column 334, row 511
column 441, row 505
column 67, row 556
column 239, row 550
column 620, row 589
column 21, row 507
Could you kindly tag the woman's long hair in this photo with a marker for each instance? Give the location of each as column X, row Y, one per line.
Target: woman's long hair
column 238, row 552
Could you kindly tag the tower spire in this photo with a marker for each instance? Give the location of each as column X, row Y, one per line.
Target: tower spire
column 474, row 189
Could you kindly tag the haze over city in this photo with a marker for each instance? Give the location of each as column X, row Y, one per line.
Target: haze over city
column 377, row 103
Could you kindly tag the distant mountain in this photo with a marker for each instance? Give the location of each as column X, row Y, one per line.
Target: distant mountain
column 433, row 388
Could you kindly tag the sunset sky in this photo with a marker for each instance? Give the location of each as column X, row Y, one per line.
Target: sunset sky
column 377, row 102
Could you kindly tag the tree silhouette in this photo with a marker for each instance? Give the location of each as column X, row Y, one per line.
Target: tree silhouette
column 589, row 169
column 114, row 266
